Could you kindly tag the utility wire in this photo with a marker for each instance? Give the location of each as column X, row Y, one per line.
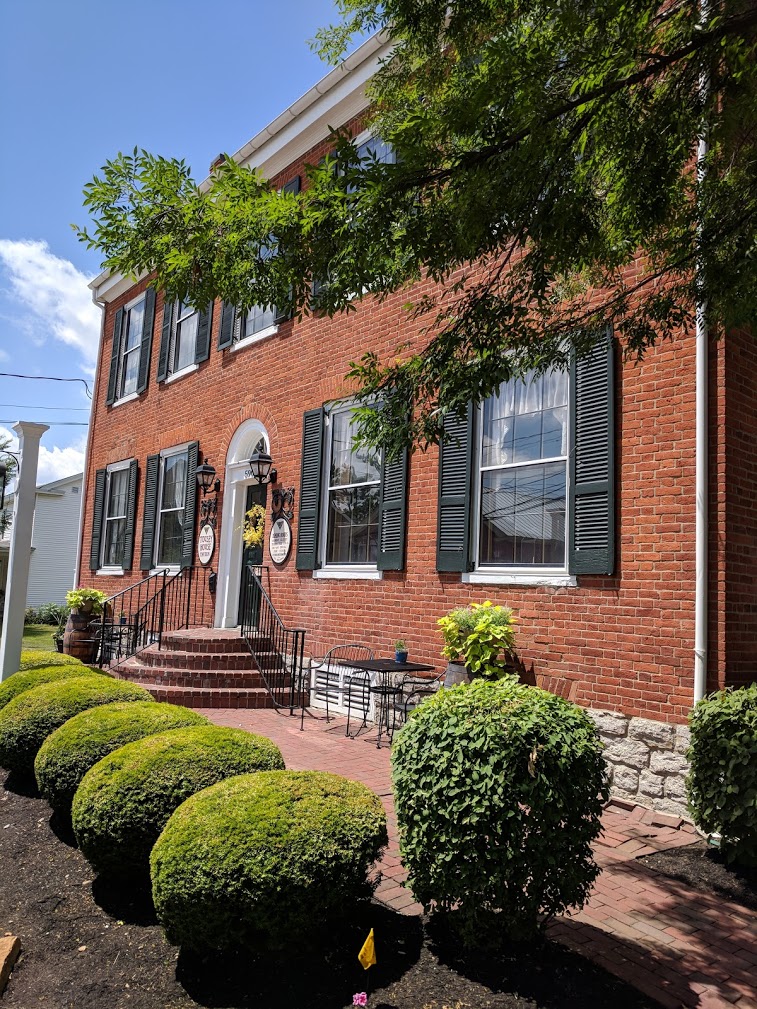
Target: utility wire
column 35, row 406
column 56, row 423
column 47, row 378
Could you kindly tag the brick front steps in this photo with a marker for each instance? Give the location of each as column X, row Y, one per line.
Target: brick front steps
column 199, row 668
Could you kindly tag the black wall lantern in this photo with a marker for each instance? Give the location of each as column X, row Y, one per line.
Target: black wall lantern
column 262, row 470
column 261, row 467
column 207, row 482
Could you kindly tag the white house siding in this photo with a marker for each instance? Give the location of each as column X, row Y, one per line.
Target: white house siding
column 56, row 527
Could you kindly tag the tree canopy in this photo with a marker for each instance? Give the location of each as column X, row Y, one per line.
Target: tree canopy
column 547, row 181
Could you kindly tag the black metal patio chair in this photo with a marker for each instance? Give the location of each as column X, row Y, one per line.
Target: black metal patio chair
column 335, row 664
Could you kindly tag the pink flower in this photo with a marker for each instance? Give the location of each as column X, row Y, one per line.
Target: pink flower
column 360, row 999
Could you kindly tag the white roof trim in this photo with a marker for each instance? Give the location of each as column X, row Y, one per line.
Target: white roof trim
column 335, row 99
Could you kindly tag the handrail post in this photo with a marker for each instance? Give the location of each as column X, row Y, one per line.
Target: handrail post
column 190, row 569
column 162, row 610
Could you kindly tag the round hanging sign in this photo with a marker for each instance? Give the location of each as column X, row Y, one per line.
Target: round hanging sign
column 280, row 541
column 206, row 542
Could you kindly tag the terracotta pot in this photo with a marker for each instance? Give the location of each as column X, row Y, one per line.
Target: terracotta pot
column 79, row 639
column 455, row 673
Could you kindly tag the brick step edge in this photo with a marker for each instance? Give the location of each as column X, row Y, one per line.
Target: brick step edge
column 182, row 642
column 201, row 697
column 207, row 679
column 177, row 659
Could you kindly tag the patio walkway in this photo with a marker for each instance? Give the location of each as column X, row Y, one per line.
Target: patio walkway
column 680, row 946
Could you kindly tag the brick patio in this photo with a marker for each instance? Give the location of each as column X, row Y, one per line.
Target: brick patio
column 680, row 946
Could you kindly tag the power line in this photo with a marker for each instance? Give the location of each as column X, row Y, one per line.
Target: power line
column 36, row 406
column 55, row 423
column 46, row 378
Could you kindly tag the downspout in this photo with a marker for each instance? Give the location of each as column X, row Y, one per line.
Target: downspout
column 90, row 431
column 702, row 435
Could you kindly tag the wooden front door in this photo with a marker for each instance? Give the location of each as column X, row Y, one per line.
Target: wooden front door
column 256, row 494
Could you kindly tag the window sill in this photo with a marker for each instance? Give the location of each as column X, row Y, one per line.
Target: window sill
column 556, row 580
column 111, row 572
column 255, row 338
column 350, row 573
column 126, row 399
column 180, row 374
column 170, row 571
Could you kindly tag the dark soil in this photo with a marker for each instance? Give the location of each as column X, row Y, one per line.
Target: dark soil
column 92, row 944
column 704, row 868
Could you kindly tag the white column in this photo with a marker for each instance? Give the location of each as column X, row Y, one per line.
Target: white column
column 21, row 546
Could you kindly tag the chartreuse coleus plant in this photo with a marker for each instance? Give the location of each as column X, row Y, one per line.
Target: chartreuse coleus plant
column 478, row 635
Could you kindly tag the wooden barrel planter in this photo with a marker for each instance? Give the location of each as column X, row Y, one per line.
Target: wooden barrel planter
column 79, row 639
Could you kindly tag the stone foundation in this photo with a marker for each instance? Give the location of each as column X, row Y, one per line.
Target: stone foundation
column 646, row 759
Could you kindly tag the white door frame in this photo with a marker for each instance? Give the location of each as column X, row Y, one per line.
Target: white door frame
column 238, row 478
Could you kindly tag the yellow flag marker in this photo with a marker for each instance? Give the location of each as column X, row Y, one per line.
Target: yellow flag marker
column 367, row 955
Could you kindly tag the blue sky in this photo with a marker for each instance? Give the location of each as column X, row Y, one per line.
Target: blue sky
column 80, row 81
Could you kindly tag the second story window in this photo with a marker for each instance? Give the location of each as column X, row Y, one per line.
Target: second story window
column 131, row 348
column 184, row 339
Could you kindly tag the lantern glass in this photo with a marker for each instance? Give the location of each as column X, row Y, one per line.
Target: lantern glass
column 205, row 476
column 260, row 466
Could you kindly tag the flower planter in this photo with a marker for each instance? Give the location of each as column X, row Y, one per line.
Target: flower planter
column 456, row 673
column 78, row 639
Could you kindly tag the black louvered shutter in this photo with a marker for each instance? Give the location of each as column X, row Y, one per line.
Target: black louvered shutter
column 190, row 507
column 115, row 355
column 455, row 468
column 204, row 326
column 226, row 331
column 592, row 482
column 146, row 349
column 310, row 490
column 131, row 509
column 392, row 514
column 150, row 511
column 101, row 478
column 169, row 310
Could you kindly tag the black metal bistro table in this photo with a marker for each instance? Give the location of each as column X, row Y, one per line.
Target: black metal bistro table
column 382, row 686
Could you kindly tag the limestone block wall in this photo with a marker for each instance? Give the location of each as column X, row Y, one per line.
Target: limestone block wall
column 646, row 759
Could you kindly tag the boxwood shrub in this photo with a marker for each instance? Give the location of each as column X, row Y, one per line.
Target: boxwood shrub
column 499, row 789
column 722, row 783
column 69, row 752
column 260, row 860
column 21, row 682
column 33, row 658
column 125, row 800
column 27, row 720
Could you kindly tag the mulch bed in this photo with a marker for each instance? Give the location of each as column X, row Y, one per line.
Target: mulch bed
column 90, row 944
column 703, row 867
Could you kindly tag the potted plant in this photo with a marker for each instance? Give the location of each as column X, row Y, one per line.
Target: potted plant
column 400, row 651
column 86, row 601
column 79, row 639
column 475, row 637
column 122, row 618
column 58, row 634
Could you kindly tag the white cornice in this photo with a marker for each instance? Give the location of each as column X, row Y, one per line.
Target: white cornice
column 333, row 101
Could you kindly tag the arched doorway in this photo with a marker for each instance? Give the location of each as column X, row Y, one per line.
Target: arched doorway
column 240, row 491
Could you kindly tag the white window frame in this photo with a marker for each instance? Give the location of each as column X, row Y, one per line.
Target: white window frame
column 122, row 395
column 331, row 570
column 175, row 372
column 167, row 453
column 115, row 467
column 532, row 574
column 239, row 341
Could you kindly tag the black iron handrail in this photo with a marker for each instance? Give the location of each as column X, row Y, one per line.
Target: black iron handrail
column 278, row 650
column 152, row 606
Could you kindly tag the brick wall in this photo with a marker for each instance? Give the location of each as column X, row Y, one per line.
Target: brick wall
column 621, row 643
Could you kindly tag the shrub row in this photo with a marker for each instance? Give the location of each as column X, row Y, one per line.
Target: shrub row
column 47, row 613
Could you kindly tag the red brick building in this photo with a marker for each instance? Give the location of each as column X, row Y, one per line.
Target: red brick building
column 571, row 499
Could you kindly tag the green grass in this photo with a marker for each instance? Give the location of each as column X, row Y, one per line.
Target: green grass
column 39, row 636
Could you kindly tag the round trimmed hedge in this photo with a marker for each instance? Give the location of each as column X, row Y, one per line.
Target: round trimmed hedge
column 259, row 860
column 499, row 790
column 125, row 800
column 21, row 682
column 69, row 752
column 722, row 783
column 33, row 658
column 27, row 720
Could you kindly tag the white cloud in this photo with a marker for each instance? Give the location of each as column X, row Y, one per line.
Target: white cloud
column 54, row 463
column 55, row 293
